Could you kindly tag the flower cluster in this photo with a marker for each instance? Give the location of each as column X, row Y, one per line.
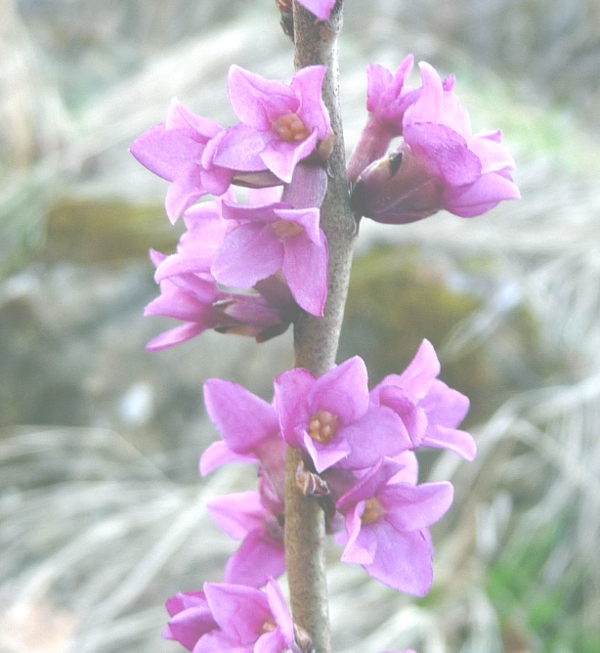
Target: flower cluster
column 358, row 450
column 243, row 268
column 439, row 163
column 252, row 267
column 358, row 461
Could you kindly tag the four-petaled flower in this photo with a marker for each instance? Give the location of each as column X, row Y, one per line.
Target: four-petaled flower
column 333, row 419
column 386, row 526
column 249, row 427
column 267, row 239
column 430, row 409
column 279, row 124
column 228, row 617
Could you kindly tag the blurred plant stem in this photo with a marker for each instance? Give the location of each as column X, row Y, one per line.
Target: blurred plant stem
column 316, row 339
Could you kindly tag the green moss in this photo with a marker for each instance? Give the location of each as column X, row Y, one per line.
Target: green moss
column 106, row 231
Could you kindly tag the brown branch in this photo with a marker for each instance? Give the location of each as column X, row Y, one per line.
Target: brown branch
column 316, row 339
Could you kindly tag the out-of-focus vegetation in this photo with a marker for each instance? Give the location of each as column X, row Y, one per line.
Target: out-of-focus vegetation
column 101, row 521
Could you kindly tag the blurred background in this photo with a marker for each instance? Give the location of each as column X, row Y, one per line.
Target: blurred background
column 101, row 507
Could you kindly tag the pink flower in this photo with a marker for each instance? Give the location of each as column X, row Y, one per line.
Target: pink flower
column 191, row 618
column 270, row 238
column 388, row 97
column 248, row 620
column 181, row 151
column 190, row 293
column 439, row 165
column 333, row 419
column 202, row 305
column 320, row 8
column 386, row 527
column 249, row 427
column 430, row 409
column 227, row 617
column 279, row 125
column 244, row 516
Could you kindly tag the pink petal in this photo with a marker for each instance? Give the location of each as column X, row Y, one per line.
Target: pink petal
column 412, row 508
column 403, row 562
column 237, row 514
column 444, row 152
column 483, row 195
column 342, row 391
column 291, row 389
column 305, row 269
column 242, row 419
column 307, row 83
column 249, row 253
column 176, row 336
column 280, row 612
column 182, row 193
column 257, row 101
column 281, row 157
column 240, row 611
column 166, row 153
column 219, row 454
column 240, row 147
column 258, row 558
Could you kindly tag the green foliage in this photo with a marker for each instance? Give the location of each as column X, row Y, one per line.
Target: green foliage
column 521, row 590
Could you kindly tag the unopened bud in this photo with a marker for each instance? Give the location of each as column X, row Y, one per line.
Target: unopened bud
column 396, row 189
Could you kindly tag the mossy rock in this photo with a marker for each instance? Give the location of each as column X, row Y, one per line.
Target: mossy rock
column 88, row 230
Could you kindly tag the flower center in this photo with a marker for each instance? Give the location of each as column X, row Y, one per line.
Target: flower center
column 290, row 128
column 322, row 426
column 268, row 627
column 373, row 511
column 287, row 229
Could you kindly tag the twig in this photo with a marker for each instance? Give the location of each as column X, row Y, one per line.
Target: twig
column 316, row 339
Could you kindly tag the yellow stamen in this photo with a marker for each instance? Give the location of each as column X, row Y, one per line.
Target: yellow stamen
column 287, row 229
column 373, row 511
column 290, row 128
column 322, row 426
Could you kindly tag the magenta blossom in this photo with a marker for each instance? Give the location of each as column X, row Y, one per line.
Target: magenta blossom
column 320, row 8
column 248, row 620
column 244, row 516
column 279, row 125
column 195, row 299
column 249, row 427
column 430, row 409
column 388, row 97
column 191, row 618
column 386, row 527
column 181, row 151
column 236, row 618
column 270, row 238
column 190, row 293
column 333, row 419
column 439, row 165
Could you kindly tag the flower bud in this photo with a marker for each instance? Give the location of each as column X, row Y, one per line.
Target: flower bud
column 397, row 189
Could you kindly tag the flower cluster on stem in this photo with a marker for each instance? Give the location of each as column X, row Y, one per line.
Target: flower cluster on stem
column 327, row 445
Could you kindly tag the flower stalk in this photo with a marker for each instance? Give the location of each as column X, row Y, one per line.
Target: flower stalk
column 316, row 339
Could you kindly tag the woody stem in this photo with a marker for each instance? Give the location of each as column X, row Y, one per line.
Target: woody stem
column 316, row 339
